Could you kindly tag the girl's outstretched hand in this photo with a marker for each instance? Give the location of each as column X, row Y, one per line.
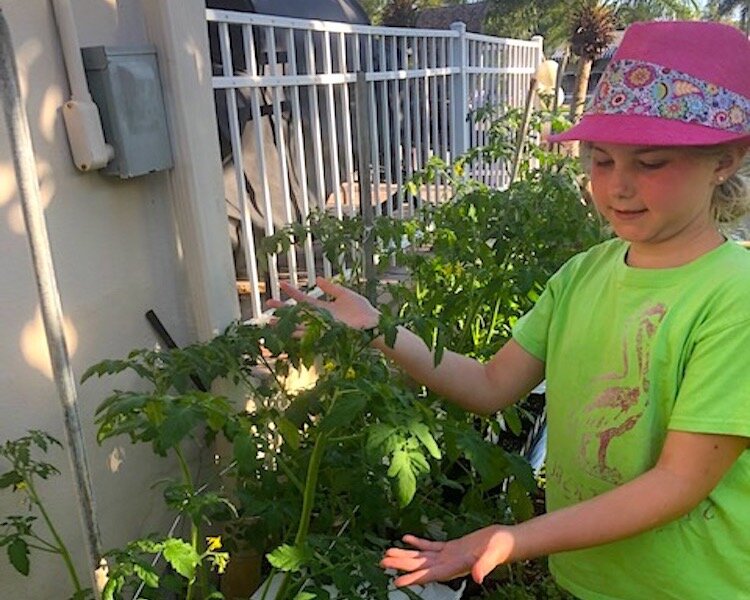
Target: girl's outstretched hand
column 347, row 306
column 477, row 553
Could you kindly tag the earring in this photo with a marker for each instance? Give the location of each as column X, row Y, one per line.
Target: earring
column 720, row 180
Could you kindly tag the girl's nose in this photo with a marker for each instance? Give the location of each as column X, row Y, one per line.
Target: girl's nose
column 622, row 183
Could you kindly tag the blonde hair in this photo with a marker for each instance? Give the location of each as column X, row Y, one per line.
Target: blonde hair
column 731, row 198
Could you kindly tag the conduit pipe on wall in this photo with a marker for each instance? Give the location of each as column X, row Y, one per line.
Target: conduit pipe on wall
column 49, row 297
column 81, row 115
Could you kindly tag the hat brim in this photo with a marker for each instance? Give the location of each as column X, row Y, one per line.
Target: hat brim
column 644, row 131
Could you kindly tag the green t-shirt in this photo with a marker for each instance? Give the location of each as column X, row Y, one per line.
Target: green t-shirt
column 629, row 354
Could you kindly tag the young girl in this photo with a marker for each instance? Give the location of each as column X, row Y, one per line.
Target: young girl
column 644, row 342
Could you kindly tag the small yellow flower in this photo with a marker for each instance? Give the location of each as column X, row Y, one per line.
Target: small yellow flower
column 350, row 373
column 214, row 543
column 329, row 366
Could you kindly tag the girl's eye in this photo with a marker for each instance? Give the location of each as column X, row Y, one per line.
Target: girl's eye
column 653, row 166
column 602, row 162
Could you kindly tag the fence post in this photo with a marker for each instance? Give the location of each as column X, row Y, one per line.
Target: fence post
column 365, row 178
column 459, row 92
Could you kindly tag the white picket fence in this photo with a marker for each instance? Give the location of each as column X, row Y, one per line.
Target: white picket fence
column 286, row 92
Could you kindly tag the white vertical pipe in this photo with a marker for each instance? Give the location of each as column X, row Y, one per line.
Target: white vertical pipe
column 481, row 100
column 79, row 89
column 396, row 108
column 386, row 122
column 499, row 95
column 248, row 237
column 459, row 93
column 408, row 154
column 426, row 114
column 49, row 296
column 417, row 108
column 317, row 135
column 435, row 114
column 373, row 114
column 297, row 125
column 444, row 107
column 273, row 269
column 333, row 137
column 347, row 121
column 281, row 147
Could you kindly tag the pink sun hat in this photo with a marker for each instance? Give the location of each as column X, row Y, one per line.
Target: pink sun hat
column 671, row 83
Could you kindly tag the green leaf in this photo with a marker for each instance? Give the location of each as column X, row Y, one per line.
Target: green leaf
column 439, row 346
column 179, row 423
column 147, row 575
column 512, row 420
column 245, row 453
column 18, row 553
column 289, row 558
column 378, row 434
column 344, row 411
column 406, row 480
column 10, row 478
column 520, row 503
column 490, row 461
column 182, row 557
column 423, row 434
column 522, row 471
column 111, row 588
column 305, row 596
column 289, row 432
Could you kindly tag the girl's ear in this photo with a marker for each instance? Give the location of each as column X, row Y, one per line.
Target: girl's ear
column 731, row 160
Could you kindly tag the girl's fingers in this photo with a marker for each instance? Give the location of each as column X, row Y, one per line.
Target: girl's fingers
column 420, row 576
column 423, row 544
column 330, row 288
column 296, row 294
column 403, row 552
column 404, row 563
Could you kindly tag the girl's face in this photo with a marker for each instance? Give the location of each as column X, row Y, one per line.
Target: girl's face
column 657, row 198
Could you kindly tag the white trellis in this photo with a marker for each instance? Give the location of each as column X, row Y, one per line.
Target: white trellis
column 285, row 91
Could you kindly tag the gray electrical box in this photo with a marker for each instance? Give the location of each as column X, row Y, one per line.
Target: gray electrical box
column 125, row 85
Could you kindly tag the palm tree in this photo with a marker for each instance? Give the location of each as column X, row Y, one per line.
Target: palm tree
column 593, row 25
column 592, row 29
column 649, row 10
column 727, row 7
column 522, row 19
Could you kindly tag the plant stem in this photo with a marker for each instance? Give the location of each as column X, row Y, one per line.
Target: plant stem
column 188, row 479
column 290, row 474
column 310, row 484
column 61, row 548
column 346, row 438
column 308, row 501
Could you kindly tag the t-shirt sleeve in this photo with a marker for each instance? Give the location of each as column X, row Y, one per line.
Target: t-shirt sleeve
column 531, row 331
column 714, row 396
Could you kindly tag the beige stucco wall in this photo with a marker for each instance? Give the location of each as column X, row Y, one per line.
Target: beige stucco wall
column 118, row 251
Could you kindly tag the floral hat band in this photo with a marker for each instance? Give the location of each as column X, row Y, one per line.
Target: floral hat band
column 671, row 83
column 634, row 87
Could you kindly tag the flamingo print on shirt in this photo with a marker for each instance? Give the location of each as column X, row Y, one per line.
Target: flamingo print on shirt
column 619, row 407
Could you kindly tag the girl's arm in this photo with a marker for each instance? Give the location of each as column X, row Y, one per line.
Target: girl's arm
column 689, row 468
column 480, row 388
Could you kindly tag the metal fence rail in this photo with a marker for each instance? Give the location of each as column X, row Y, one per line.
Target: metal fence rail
column 285, row 94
